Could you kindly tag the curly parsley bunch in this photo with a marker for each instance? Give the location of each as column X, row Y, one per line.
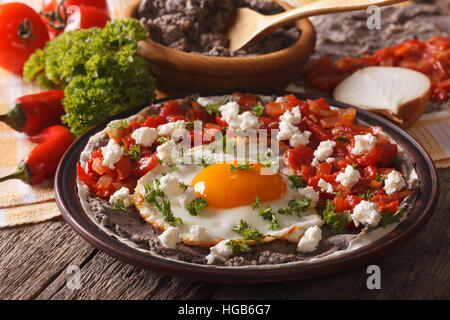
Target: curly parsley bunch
column 99, row 70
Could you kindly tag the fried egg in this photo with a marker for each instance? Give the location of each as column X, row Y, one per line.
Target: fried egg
column 231, row 197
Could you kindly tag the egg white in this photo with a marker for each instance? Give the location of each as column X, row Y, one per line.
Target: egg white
column 217, row 223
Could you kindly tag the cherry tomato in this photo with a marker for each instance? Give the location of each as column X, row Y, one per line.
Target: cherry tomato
column 23, row 31
column 85, row 18
column 171, row 108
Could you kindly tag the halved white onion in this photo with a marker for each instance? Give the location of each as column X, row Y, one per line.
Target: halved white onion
column 400, row 94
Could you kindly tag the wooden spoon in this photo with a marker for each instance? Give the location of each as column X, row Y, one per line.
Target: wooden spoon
column 247, row 26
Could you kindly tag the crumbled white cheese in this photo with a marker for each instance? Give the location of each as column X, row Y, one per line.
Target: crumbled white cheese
column 363, row 144
column 324, row 150
column 204, row 101
column 186, row 197
column 123, row 194
column 330, row 160
column 170, row 237
column 170, row 185
column 349, row 177
column 198, row 233
column 229, row 112
column 220, row 251
column 315, row 162
column 145, row 136
column 290, row 131
column 310, row 240
column 299, row 138
column 167, row 128
column 164, row 152
column 366, row 213
column 309, row 193
column 325, row 186
column 292, row 116
column 247, row 120
column 112, row 153
column 394, row 182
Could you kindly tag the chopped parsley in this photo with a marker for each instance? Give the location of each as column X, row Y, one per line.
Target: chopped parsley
column 258, row 110
column 296, row 206
column 119, row 124
column 337, row 220
column 257, row 203
column 183, row 186
column 343, row 139
column 367, row 196
column 388, row 217
column 355, row 166
column 267, row 214
column 243, row 166
column 248, row 234
column 162, row 140
column 296, row 181
column 152, row 191
column 119, row 205
column 379, row 178
column 212, row 108
column 134, row 152
column 166, row 211
column 196, row 206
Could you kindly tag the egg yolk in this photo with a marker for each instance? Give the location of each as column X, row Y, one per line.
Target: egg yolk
column 224, row 188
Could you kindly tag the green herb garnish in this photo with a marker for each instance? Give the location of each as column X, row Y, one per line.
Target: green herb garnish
column 248, row 234
column 296, row 206
column 119, row 205
column 267, row 214
column 134, row 153
column 257, row 203
column 244, row 166
column 165, row 209
column 196, row 206
column 337, row 220
column 119, row 124
column 388, row 217
column 343, row 139
column 212, row 108
column 379, row 178
column 183, row 186
column 258, row 110
column 99, row 70
column 355, row 166
column 296, row 181
column 367, row 196
column 152, row 191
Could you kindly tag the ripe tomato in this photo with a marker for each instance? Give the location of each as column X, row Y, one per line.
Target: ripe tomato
column 85, row 18
column 55, row 15
column 22, row 32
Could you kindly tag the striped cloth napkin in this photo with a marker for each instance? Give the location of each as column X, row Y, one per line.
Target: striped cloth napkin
column 21, row 203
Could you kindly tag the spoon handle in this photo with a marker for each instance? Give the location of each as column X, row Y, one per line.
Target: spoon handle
column 323, row 7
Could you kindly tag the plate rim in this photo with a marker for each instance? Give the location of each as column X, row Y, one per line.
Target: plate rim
column 70, row 206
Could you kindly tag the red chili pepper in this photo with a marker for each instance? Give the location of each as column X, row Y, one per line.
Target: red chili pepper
column 42, row 161
column 34, row 112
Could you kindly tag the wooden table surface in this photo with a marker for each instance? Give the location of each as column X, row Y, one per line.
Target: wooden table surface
column 34, row 261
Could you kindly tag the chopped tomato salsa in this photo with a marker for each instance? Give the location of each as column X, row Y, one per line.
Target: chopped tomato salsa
column 431, row 58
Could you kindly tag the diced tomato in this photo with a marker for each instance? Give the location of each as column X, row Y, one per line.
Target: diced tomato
column 299, row 156
column 171, row 108
column 154, row 121
column 146, row 164
column 324, row 169
column 379, row 156
column 267, row 123
column 392, row 207
column 104, row 186
column 370, row 172
column 246, row 100
column 176, row 118
column 197, row 114
column 275, row 109
column 124, row 168
column 83, row 176
column 316, row 130
column 320, row 108
column 307, row 171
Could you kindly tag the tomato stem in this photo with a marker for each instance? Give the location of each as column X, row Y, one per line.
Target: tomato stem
column 25, row 30
column 57, row 20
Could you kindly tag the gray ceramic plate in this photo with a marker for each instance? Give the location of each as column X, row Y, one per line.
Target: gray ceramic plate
column 72, row 211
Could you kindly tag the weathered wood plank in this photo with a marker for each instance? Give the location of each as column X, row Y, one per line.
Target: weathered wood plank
column 33, row 255
column 104, row 277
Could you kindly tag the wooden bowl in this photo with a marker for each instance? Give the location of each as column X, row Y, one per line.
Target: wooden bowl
column 182, row 72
